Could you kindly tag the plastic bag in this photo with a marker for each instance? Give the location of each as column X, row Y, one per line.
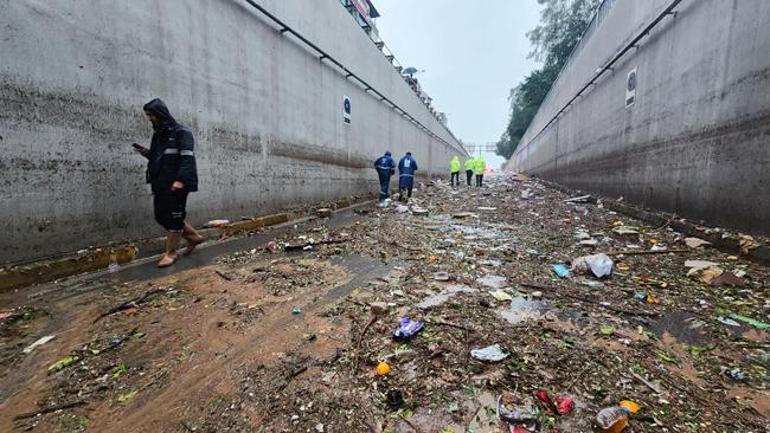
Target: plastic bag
column 491, row 353
column 407, row 329
column 600, row 265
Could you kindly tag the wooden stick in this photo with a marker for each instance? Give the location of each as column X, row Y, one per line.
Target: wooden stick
column 322, row 242
column 130, row 303
column 224, row 275
column 644, row 252
column 589, row 301
column 49, row 409
column 652, row 386
column 366, row 328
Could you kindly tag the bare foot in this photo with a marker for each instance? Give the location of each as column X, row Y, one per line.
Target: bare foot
column 167, row 260
column 192, row 243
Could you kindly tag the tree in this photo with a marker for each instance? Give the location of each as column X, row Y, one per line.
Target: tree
column 562, row 23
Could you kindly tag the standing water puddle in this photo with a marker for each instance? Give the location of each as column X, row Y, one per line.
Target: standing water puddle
column 522, row 310
column 436, row 300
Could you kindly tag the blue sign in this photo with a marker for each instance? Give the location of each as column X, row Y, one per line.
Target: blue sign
column 346, row 109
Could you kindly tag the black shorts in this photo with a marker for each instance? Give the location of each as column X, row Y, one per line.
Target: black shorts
column 170, row 210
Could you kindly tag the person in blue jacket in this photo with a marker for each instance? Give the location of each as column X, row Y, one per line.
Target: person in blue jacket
column 406, row 168
column 172, row 175
column 385, row 167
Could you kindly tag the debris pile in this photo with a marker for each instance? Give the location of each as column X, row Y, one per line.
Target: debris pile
column 509, row 308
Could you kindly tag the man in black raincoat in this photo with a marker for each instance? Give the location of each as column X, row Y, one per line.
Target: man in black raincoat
column 172, row 174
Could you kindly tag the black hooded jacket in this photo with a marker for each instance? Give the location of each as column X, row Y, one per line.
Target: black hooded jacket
column 171, row 155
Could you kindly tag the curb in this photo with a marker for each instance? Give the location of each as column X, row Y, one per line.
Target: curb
column 94, row 259
column 729, row 244
column 53, row 269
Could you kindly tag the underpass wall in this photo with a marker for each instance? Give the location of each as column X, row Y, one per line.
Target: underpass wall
column 696, row 141
column 265, row 110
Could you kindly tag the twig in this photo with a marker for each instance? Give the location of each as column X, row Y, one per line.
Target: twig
column 129, row 304
column 409, row 423
column 49, row 409
column 644, row 252
column 366, row 328
column 323, row 242
column 224, row 275
column 470, row 421
column 652, row 386
column 580, row 199
column 670, row 220
column 589, row 301
column 298, row 371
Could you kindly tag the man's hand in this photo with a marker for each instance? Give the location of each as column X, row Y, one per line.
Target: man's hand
column 177, row 186
column 141, row 149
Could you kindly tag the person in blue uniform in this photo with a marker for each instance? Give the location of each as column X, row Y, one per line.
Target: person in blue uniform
column 385, row 167
column 406, row 169
column 172, row 175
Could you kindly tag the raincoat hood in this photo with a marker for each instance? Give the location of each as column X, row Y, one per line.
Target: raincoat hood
column 159, row 109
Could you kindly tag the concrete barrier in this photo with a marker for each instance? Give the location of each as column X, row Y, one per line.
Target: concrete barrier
column 266, row 112
column 696, row 138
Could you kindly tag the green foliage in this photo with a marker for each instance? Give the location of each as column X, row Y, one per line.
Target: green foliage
column 562, row 23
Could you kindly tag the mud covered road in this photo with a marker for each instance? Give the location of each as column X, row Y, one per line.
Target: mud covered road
column 283, row 331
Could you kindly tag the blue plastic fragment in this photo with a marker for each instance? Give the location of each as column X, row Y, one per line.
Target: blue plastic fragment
column 407, row 329
column 561, row 271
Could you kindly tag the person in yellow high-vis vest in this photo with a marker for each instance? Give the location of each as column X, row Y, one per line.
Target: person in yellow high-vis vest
column 454, row 171
column 469, row 165
column 479, row 168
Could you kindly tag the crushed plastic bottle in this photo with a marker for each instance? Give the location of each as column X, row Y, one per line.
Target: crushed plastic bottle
column 615, row 419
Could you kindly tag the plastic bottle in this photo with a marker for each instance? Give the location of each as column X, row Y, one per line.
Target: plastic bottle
column 615, row 419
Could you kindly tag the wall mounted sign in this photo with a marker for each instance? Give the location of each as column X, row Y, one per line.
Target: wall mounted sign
column 346, row 109
column 631, row 82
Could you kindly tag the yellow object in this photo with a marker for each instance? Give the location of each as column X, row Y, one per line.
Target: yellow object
column 454, row 165
column 651, row 299
column 480, row 165
column 630, row 405
column 653, row 241
column 383, row 368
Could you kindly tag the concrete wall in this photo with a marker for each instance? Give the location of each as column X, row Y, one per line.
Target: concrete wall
column 266, row 112
column 697, row 139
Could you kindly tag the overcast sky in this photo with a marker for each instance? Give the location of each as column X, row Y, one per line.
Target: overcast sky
column 473, row 53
